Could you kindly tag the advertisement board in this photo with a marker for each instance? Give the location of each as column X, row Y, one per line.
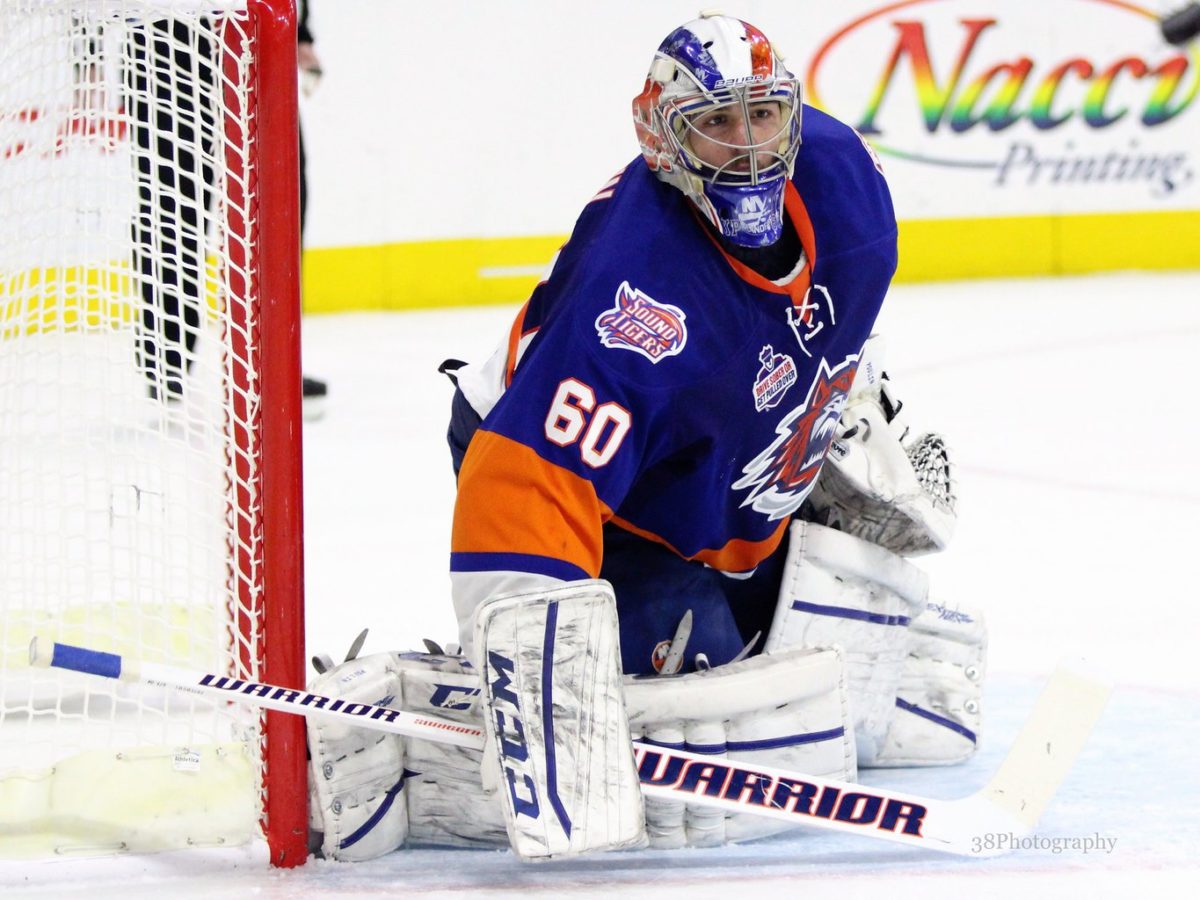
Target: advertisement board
column 1066, row 127
column 451, row 148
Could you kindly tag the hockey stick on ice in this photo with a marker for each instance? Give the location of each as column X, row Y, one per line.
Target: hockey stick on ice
column 1011, row 803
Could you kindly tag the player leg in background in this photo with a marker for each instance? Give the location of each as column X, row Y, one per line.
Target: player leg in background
column 172, row 83
column 314, row 390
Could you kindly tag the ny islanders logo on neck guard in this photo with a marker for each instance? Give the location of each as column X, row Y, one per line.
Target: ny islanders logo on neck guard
column 640, row 323
column 782, row 476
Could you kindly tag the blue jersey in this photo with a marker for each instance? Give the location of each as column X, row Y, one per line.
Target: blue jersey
column 654, row 382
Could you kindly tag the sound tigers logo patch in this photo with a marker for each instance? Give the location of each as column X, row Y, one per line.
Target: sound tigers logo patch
column 640, row 323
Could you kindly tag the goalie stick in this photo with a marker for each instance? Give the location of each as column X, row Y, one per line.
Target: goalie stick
column 1010, row 803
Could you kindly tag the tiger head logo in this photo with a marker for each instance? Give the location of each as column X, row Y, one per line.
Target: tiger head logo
column 782, row 476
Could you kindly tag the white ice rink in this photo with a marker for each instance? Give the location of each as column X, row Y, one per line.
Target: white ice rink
column 1072, row 405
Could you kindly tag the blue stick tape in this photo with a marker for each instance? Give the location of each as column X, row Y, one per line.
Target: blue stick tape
column 92, row 662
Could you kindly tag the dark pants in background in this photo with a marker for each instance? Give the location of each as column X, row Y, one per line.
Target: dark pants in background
column 173, row 103
column 171, row 76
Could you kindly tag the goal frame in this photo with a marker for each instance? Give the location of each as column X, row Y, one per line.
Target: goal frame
column 273, row 275
column 150, row 418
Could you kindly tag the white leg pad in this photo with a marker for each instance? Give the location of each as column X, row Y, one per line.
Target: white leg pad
column 356, row 776
column 938, row 705
column 788, row 710
column 840, row 591
column 554, row 715
column 371, row 792
column 447, row 803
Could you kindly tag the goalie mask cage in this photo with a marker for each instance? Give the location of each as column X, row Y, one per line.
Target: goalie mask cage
column 149, row 419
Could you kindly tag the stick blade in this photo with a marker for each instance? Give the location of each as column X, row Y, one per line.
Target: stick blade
column 1048, row 745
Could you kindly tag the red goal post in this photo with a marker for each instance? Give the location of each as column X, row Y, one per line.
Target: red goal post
column 285, row 816
column 150, row 439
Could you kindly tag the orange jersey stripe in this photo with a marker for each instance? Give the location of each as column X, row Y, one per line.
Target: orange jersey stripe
column 798, row 213
column 737, row 555
column 514, row 340
column 510, row 500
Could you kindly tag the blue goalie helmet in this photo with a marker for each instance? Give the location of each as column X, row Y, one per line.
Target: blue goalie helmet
column 719, row 119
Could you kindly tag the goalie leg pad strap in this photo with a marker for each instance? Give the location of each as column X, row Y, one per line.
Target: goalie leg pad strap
column 938, row 706
column 787, row 710
column 370, row 792
column 554, row 716
column 447, row 803
column 356, row 775
column 840, row 591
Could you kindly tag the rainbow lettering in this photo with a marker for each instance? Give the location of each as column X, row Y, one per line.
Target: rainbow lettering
column 999, row 91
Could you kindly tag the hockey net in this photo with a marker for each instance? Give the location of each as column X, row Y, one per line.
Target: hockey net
column 149, row 372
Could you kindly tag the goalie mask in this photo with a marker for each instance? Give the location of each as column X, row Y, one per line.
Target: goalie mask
column 719, row 119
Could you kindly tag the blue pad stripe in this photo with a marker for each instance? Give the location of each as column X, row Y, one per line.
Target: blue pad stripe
column 845, row 612
column 548, row 717
column 939, row 720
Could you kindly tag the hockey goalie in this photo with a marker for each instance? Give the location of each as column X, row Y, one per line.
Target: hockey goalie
column 687, row 502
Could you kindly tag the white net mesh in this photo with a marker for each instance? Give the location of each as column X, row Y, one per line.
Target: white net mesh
column 128, row 477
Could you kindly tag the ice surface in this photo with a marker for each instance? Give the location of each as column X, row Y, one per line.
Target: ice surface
column 1071, row 406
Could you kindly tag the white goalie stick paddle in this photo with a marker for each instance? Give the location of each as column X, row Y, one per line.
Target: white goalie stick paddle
column 1011, row 803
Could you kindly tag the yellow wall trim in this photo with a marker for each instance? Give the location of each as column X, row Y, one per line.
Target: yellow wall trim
column 431, row 274
column 943, row 249
column 503, row 270
column 425, row 274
